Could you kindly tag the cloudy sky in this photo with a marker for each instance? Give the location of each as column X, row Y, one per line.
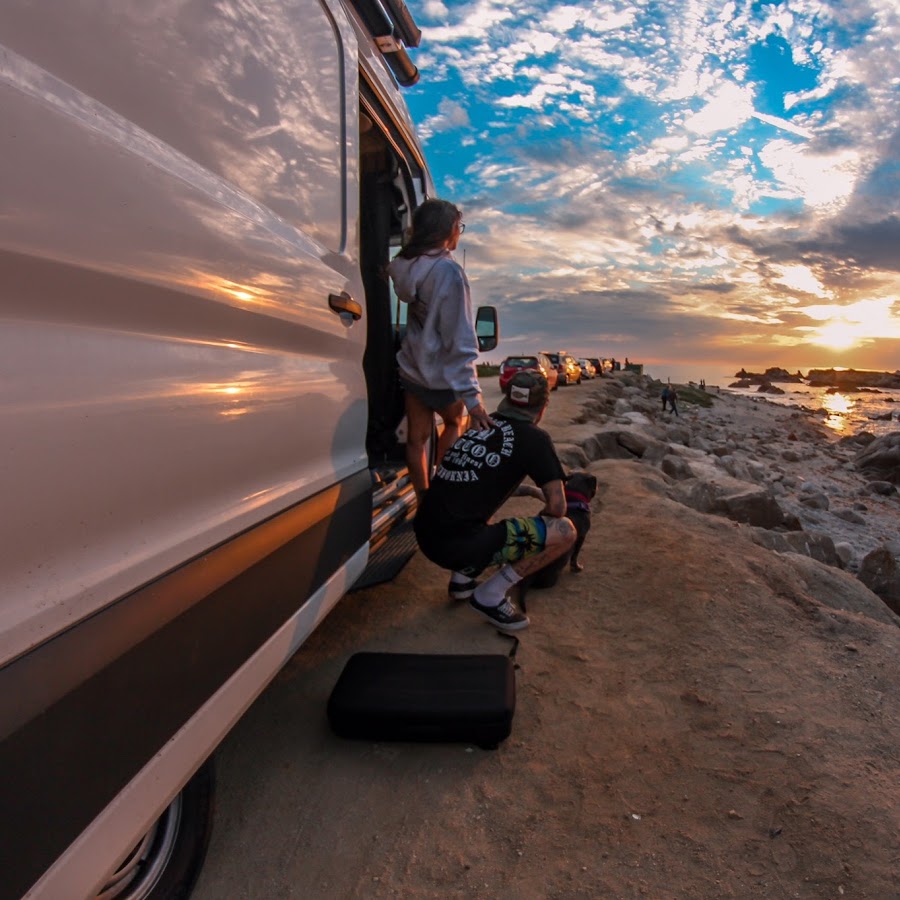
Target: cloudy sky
column 697, row 181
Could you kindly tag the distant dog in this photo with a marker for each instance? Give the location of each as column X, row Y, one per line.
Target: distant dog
column 581, row 488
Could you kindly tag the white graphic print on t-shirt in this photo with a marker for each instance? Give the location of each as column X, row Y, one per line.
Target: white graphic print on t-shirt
column 470, row 453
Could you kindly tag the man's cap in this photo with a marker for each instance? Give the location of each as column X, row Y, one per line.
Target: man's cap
column 525, row 395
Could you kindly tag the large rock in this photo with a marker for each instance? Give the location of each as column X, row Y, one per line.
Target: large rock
column 880, row 460
column 840, row 590
column 808, row 543
column 737, row 500
column 572, row 456
column 775, row 373
column 879, row 572
column 676, row 467
column 624, row 442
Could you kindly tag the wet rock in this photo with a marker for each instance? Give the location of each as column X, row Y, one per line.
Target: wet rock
column 880, row 461
column 879, row 572
column 862, row 439
column 768, row 388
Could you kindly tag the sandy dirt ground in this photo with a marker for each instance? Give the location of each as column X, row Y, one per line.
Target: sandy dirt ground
column 691, row 723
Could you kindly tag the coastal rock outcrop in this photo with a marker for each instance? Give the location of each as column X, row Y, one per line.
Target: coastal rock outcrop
column 852, row 379
column 880, row 460
column 774, row 373
column 792, row 483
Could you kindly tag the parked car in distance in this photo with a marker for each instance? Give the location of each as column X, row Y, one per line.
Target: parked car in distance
column 513, row 364
column 568, row 370
column 597, row 363
column 588, row 370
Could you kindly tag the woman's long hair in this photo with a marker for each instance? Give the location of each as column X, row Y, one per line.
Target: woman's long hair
column 432, row 225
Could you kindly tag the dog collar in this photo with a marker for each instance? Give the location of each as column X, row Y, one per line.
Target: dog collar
column 577, row 500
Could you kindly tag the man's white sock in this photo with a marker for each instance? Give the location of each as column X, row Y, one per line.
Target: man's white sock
column 492, row 591
column 458, row 578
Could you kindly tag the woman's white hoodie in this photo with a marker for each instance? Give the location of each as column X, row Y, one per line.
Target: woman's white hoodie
column 440, row 346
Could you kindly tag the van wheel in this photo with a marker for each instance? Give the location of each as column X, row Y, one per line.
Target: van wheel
column 166, row 862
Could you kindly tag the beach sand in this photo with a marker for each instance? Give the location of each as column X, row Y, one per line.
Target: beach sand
column 697, row 715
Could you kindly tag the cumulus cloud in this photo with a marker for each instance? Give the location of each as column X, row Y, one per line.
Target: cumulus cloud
column 642, row 161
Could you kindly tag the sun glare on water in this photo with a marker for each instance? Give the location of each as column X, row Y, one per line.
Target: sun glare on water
column 837, row 406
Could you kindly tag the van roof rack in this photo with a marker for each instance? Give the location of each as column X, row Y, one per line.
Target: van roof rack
column 392, row 26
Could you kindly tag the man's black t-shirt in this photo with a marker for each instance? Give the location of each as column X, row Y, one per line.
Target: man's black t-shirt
column 481, row 470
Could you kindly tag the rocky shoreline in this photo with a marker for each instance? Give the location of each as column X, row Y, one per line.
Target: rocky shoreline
column 837, row 379
column 774, row 470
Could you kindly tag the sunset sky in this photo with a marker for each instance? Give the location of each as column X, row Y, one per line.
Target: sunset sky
column 714, row 183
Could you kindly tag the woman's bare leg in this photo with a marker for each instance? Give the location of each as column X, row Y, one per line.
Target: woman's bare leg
column 453, row 416
column 419, row 424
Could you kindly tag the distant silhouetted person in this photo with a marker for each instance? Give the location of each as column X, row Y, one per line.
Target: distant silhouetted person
column 673, row 396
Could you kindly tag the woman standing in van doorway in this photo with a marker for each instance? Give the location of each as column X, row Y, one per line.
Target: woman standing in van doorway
column 438, row 353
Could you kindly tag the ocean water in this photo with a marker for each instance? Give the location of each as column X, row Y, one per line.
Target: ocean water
column 845, row 413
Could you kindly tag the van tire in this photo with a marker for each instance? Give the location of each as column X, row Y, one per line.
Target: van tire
column 176, row 846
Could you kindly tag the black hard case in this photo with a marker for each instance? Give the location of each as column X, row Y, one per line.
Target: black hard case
column 422, row 697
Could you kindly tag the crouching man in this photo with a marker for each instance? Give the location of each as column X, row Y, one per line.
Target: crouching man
column 475, row 477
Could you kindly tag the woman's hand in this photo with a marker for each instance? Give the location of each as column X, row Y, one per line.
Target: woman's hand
column 478, row 418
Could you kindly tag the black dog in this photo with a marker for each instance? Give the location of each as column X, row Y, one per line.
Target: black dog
column 581, row 488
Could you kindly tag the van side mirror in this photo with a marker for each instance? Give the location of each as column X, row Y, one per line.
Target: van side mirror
column 487, row 329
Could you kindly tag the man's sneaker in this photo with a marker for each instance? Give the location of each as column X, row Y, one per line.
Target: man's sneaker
column 505, row 616
column 461, row 590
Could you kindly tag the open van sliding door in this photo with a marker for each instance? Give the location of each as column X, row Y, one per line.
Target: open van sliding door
column 185, row 483
column 393, row 180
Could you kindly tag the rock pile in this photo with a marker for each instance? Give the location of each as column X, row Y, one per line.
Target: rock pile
column 797, row 487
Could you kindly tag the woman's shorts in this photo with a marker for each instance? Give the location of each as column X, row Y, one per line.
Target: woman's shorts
column 433, row 398
column 503, row 542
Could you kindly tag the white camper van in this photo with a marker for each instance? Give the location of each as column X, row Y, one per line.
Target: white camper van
column 198, row 398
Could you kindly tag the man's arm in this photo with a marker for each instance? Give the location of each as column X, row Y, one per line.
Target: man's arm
column 555, row 497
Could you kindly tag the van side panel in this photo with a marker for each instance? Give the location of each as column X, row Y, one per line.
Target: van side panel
column 182, row 412
column 172, row 371
column 80, row 716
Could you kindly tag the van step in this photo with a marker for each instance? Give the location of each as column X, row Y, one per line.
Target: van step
column 390, row 557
